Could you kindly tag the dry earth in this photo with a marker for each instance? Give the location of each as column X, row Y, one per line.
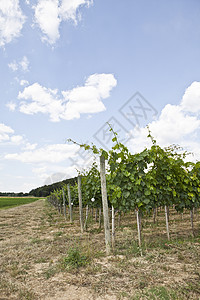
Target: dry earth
column 35, row 240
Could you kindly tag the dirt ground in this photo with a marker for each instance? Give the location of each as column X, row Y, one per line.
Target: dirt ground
column 35, row 240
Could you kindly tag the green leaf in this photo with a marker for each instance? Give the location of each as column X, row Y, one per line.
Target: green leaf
column 114, row 139
column 146, row 201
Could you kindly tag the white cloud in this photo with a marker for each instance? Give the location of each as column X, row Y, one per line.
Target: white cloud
column 13, row 66
column 84, row 99
column 175, row 125
column 24, row 82
column 88, row 98
column 16, row 139
column 29, row 146
column 50, row 13
column 11, row 106
column 23, row 65
column 191, row 99
column 51, row 153
column 44, row 100
column 5, row 132
column 11, row 21
column 7, row 135
column 47, row 17
column 68, row 9
column 54, row 173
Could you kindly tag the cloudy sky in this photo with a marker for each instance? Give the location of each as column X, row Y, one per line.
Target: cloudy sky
column 69, row 66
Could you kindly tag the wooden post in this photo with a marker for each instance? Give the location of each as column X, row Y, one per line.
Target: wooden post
column 86, row 217
column 64, row 204
column 192, row 221
column 113, row 228
column 168, row 213
column 154, row 215
column 92, row 213
column 105, row 204
column 70, row 203
column 58, row 204
column 119, row 218
column 100, row 217
column 96, row 212
column 167, row 222
column 80, row 204
column 138, row 227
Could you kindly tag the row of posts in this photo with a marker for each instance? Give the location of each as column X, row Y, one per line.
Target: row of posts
column 108, row 240
column 104, row 204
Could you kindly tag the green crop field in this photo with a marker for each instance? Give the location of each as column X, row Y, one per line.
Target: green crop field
column 8, row 202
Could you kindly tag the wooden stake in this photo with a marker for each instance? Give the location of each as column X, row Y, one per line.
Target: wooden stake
column 168, row 213
column 192, row 221
column 138, row 227
column 105, row 205
column 119, row 218
column 96, row 212
column 113, row 228
column 92, row 213
column 99, row 217
column 80, row 204
column 154, row 215
column 167, row 222
column 86, row 217
column 70, row 203
column 64, row 204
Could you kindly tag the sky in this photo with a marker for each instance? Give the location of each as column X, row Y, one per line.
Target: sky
column 67, row 67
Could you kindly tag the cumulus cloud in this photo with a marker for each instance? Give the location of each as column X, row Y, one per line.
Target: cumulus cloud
column 47, row 17
column 22, row 65
column 51, row 153
column 80, row 100
column 7, row 135
column 5, row 132
column 68, row 9
column 43, row 100
column 177, row 124
column 30, row 146
column 11, row 21
column 16, row 139
column 191, row 98
column 174, row 124
column 88, row 98
column 53, row 173
column 50, row 13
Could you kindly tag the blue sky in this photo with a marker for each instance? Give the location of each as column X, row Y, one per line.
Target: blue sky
column 69, row 66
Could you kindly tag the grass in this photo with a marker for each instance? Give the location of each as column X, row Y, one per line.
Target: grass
column 8, row 202
column 156, row 293
column 50, row 272
column 75, row 259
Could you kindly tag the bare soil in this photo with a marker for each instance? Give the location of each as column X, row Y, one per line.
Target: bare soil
column 35, row 240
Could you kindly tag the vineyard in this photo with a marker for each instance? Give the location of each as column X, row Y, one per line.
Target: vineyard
column 143, row 183
column 127, row 228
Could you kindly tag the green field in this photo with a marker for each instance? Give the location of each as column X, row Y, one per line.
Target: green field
column 8, row 202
